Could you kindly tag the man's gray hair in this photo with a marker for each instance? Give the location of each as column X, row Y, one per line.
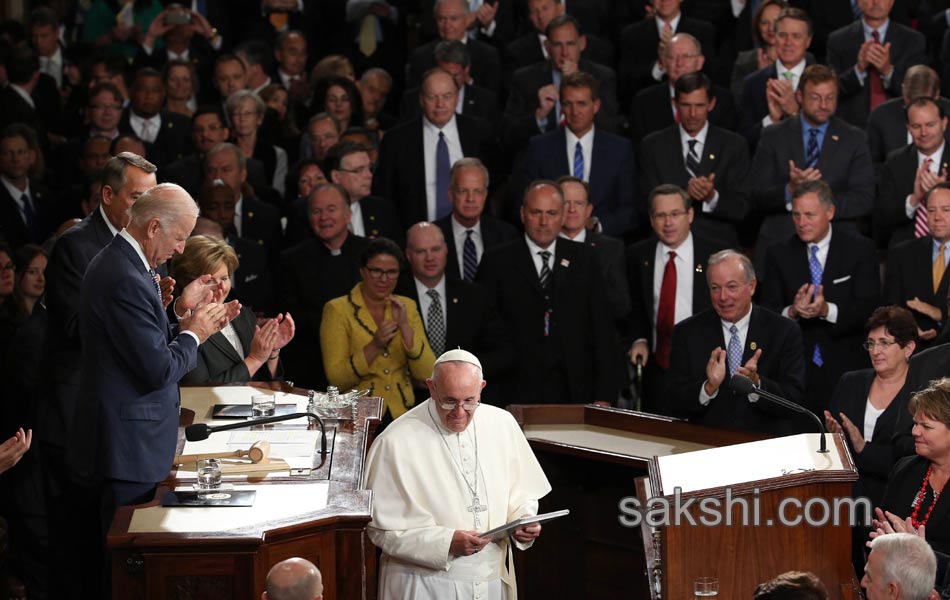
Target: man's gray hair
column 228, row 147
column 113, row 174
column 166, row 202
column 817, row 187
column 684, row 36
column 469, row 162
column 464, row 4
column 724, row 255
column 909, row 562
column 324, row 116
column 452, row 52
column 376, row 72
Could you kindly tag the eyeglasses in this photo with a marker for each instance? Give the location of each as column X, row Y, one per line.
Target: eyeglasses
column 376, row 273
column 681, row 58
column 361, row 170
column 882, row 344
column 467, row 406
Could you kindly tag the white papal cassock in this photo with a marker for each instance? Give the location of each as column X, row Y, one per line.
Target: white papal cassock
column 420, row 498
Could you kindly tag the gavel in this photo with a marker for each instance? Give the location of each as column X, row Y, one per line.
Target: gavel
column 258, row 452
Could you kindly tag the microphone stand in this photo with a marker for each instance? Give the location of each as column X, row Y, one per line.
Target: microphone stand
column 743, row 385
column 201, row 431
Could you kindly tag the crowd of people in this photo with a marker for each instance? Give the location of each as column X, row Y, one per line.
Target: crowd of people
column 577, row 192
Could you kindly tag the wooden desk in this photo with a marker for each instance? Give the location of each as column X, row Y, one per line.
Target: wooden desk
column 160, row 554
column 592, row 456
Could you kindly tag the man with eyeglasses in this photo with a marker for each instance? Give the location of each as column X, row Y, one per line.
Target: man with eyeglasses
column 348, row 165
column 654, row 108
column 826, row 279
column 710, row 162
column 314, row 272
column 871, row 56
column 916, row 270
column 667, row 279
column 734, row 337
column 441, row 474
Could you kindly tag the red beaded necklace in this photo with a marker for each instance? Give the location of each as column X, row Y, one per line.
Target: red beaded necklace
column 921, row 495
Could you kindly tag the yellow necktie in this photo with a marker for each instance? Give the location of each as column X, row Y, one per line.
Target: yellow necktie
column 367, row 36
column 939, row 267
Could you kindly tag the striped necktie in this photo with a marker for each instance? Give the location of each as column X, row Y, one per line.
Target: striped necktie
column 469, row 257
column 692, row 159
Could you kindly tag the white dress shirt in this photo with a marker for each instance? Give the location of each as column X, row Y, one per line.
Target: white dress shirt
column 237, row 214
column 53, row 66
column 684, row 279
column 657, row 72
column 23, row 94
column 356, row 219
column 105, row 218
column 138, row 123
column 587, row 149
column 430, row 138
column 458, row 232
column 422, row 291
column 780, row 70
column 535, row 249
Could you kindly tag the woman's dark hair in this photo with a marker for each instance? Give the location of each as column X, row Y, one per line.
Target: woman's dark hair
column 897, row 321
column 757, row 17
column 379, row 246
column 321, row 88
column 22, row 258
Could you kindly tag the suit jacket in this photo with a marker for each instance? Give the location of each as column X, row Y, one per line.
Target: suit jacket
column 903, row 485
column 908, row 48
column 830, row 15
column 580, row 342
column 652, row 110
column 880, row 453
column 401, row 172
column 45, row 116
column 845, row 164
column 897, row 182
column 311, row 277
column 478, row 102
column 253, row 281
column 132, row 360
column 724, row 153
column 68, row 261
column 887, row 128
column 12, row 227
column 472, row 323
column 219, row 362
column 260, row 223
column 910, row 275
column 611, row 175
column 640, row 270
column 520, row 122
column 753, row 106
column 486, row 64
column 638, row 46
column 851, row 279
column 173, row 141
column 526, row 50
column 494, row 233
column 188, row 172
column 781, row 371
column 612, row 255
column 380, row 219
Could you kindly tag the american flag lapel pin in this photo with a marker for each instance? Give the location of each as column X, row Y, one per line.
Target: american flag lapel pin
column 565, row 263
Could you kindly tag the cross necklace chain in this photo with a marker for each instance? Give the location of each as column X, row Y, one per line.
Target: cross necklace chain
column 477, row 506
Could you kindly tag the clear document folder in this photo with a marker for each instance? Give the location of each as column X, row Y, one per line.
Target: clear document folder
column 500, row 532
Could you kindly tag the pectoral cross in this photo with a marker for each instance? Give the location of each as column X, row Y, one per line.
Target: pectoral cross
column 476, row 508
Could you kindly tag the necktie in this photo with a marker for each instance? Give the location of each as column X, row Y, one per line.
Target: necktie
column 815, row 268
column 545, row 276
column 734, row 351
column 32, row 224
column 692, row 159
column 469, row 257
column 939, row 266
column 812, row 151
column 158, row 288
column 367, row 35
column 921, row 228
column 878, row 94
column 665, row 312
column 856, row 10
column 436, row 329
column 146, row 131
column 789, row 77
column 442, row 169
column 578, row 161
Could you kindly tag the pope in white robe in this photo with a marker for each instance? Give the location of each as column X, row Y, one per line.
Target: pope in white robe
column 440, row 476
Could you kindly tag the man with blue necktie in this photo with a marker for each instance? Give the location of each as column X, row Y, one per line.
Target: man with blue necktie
column 827, row 279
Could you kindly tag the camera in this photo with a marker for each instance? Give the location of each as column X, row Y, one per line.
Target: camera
column 178, row 18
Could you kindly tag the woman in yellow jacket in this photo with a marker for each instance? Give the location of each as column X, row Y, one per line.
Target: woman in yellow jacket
column 372, row 338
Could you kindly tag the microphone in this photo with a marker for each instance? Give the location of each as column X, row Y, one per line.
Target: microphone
column 743, row 385
column 201, row 431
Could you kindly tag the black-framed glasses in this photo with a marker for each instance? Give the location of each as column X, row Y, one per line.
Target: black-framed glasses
column 377, row 273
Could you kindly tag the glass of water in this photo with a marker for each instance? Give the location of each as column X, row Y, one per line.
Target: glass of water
column 209, row 475
column 705, row 587
column 263, row 405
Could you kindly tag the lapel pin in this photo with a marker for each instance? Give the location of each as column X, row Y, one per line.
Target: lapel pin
column 375, row 232
column 170, row 125
column 646, row 263
column 752, row 346
column 834, row 137
column 565, row 263
column 372, row 217
column 699, row 268
column 712, row 157
column 455, row 300
column 250, row 214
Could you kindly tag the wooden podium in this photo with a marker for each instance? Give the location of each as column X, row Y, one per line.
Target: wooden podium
column 224, row 553
column 788, row 480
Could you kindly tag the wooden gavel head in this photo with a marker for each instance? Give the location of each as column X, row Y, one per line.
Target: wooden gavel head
column 259, row 451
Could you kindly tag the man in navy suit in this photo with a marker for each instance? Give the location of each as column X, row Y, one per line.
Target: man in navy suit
column 813, row 145
column 349, row 166
column 735, row 338
column 28, row 211
column 604, row 160
column 549, row 293
column 73, row 509
column 468, row 231
column 871, row 56
column 768, row 95
column 826, row 279
column 456, row 313
column 127, row 420
column 415, row 157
